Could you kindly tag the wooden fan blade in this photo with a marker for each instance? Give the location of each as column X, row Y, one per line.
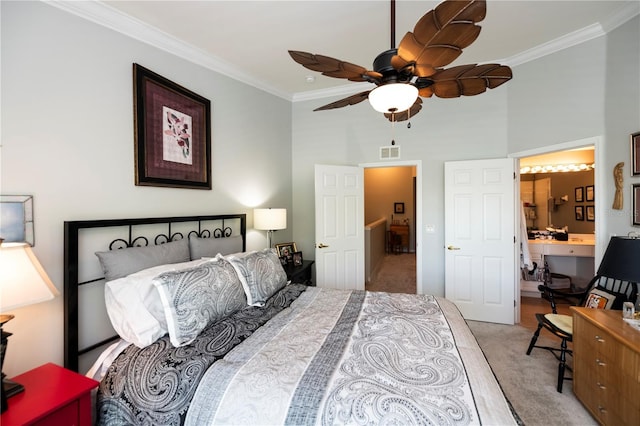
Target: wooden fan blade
column 351, row 100
column 405, row 115
column 440, row 35
column 469, row 80
column 332, row 67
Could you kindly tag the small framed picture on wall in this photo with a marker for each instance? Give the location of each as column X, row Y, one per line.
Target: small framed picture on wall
column 590, row 212
column 579, row 213
column 589, row 193
column 579, row 194
column 635, row 154
column 398, row 208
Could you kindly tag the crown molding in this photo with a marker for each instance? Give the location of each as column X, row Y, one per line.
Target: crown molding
column 102, row 14
column 106, row 16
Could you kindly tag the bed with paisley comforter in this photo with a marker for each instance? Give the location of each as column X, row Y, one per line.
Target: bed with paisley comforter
column 225, row 339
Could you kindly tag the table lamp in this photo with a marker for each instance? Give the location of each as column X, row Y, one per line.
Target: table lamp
column 269, row 220
column 23, row 282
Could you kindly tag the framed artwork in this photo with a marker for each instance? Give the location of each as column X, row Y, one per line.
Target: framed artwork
column 579, row 213
column 635, row 154
column 579, row 194
column 590, row 212
column 172, row 138
column 398, row 208
column 16, row 219
column 297, row 258
column 286, row 250
column 589, row 193
column 635, row 189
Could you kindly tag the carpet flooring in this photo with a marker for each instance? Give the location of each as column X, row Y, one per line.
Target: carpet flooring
column 529, row 382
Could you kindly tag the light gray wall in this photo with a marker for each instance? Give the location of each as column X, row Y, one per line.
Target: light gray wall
column 67, row 139
column 582, row 92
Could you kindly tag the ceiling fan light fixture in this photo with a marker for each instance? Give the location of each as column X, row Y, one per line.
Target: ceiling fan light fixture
column 393, row 97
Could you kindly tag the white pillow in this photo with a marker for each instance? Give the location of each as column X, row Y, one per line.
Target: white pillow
column 134, row 306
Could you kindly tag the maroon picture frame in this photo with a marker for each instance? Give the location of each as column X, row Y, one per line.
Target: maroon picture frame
column 172, row 128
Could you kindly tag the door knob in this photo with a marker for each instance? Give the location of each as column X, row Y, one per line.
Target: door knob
column 453, row 248
column 322, row 245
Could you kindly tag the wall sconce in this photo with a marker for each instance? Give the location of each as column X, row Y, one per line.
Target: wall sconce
column 269, row 220
column 24, row 282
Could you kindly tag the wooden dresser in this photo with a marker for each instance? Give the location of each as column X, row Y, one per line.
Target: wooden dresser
column 403, row 232
column 606, row 365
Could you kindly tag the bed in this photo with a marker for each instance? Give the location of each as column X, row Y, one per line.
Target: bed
column 217, row 335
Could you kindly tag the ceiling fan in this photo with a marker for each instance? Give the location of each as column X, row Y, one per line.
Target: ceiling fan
column 414, row 69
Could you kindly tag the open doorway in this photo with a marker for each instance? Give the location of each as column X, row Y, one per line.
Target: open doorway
column 391, row 222
column 559, row 208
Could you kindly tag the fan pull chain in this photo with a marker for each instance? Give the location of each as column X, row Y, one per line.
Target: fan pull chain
column 393, row 128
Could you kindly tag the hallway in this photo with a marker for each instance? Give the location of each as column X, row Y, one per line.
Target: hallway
column 397, row 274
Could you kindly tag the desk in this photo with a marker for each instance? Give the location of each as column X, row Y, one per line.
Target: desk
column 606, row 365
column 403, row 232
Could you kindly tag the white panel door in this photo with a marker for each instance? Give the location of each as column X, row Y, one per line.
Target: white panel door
column 480, row 259
column 339, row 197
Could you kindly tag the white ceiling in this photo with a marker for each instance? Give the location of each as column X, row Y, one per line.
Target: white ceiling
column 249, row 39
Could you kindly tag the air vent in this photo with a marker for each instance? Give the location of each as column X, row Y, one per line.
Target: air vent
column 389, row 152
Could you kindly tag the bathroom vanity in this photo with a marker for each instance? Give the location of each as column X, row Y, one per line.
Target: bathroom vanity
column 574, row 258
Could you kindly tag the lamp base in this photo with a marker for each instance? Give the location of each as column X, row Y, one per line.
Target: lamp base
column 11, row 388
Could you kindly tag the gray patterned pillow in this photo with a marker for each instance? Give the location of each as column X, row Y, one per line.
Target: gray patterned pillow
column 193, row 298
column 260, row 273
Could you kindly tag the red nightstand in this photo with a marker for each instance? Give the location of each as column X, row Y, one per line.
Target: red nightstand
column 52, row 396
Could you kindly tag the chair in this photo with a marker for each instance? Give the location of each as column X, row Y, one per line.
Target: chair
column 616, row 282
column 394, row 242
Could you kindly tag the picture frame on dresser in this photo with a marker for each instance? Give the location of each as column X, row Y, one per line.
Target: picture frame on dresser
column 286, row 251
column 635, row 154
column 635, row 205
column 172, row 133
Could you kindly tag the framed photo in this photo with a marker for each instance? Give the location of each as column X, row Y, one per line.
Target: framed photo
column 16, row 219
column 286, row 250
column 579, row 213
column 579, row 194
column 589, row 193
column 635, row 154
column 590, row 213
column 297, row 258
column 172, row 137
column 398, row 208
column 635, row 189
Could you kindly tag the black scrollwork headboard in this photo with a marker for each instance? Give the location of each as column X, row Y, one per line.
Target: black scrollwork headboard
column 87, row 329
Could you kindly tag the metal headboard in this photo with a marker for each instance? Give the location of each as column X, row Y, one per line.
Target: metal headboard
column 79, row 260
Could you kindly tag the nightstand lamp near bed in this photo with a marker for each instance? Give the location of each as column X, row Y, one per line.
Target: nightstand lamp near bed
column 269, row 220
column 23, row 282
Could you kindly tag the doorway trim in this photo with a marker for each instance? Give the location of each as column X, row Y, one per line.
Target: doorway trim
column 599, row 179
column 418, row 204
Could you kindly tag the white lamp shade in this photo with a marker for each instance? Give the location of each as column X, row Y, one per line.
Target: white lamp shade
column 269, row 219
column 23, row 281
column 393, row 97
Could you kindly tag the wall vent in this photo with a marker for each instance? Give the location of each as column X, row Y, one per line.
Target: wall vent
column 390, row 152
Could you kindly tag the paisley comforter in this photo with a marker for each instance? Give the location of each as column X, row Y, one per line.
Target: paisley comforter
column 329, row 357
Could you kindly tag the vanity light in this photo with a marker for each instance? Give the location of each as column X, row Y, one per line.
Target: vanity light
column 557, row 168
